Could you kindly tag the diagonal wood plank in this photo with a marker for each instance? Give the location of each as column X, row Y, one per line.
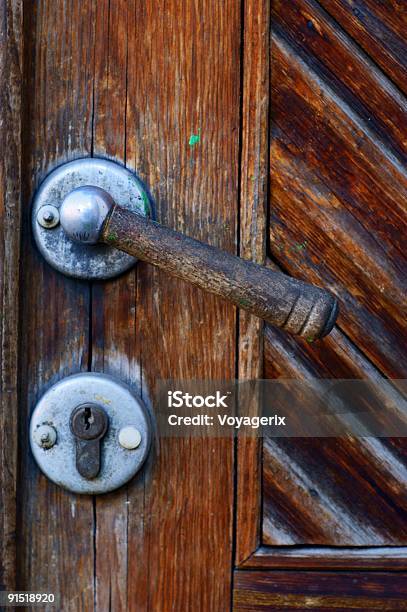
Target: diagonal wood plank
column 379, row 28
column 345, row 67
column 339, row 492
column 337, row 212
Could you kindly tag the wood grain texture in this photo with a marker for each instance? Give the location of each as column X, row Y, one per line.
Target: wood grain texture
column 170, row 530
column 320, row 591
column 10, row 212
column 56, row 529
column 328, row 558
column 328, row 491
column 320, row 491
column 113, row 320
column 338, row 214
column 345, row 68
column 253, row 221
column 379, row 28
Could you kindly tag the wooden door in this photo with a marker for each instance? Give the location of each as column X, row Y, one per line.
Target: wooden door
column 272, row 130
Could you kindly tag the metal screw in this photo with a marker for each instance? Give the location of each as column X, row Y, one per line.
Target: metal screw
column 45, row 436
column 129, row 438
column 48, row 217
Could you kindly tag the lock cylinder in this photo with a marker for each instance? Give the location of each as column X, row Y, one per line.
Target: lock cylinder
column 88, row 423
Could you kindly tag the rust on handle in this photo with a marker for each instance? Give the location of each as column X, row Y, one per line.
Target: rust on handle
column 293, row 305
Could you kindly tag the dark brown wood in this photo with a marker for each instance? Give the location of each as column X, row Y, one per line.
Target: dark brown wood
column 334, row 356
column 338, row 215
column 328, row 558
column 379, row 28
column 113, row 340
column 298, row 308
column 10, row 215
column 345, row 68
column 55, row 528
column 336, row 492
column 322, row 591
column 330, row 143
column 253, row 221
column 341, row 491
column 160, row 541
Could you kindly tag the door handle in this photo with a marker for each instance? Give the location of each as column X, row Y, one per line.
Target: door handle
column 89, row 215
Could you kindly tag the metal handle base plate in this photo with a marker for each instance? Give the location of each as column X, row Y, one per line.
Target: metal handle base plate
column 71, row 258
column 54, row 445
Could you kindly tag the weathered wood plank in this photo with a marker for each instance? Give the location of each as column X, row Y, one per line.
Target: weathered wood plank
column 379, row 28
column 10, row 215
column 337, row 492
column 113, row 345
column 328, row 558
column 350, row 73
column 338, row 214
column 253, row 220
column 334, row 357
column 344, row 591
column 55, row 528
column 329, row 491
column 177, row 514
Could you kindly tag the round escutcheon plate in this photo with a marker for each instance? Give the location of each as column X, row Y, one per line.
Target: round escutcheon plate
column 55, row 454
column 71, row 258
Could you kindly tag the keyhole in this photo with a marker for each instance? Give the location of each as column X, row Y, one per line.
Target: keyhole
column 87, row 417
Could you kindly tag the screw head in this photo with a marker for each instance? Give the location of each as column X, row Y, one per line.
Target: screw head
column 129, row 438
column 45, row 436
column 48, row 217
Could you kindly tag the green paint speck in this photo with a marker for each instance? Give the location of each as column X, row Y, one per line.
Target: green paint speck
column 112, row 236
column 146, row 202
column 310, row 339
column 299, row 246
column 195, row 138
column 244, row 303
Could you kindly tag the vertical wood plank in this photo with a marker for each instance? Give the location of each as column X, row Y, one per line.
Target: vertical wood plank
column 183, row 81
column 127, row 332
column 56, row 528
column 253, row 219
column 10, row 208
column 114, row 350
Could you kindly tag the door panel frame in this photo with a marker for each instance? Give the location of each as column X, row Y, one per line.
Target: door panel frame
column 254, row 181
column 255, row 147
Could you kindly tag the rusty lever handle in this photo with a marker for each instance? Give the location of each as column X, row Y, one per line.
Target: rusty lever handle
column 295, row 306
